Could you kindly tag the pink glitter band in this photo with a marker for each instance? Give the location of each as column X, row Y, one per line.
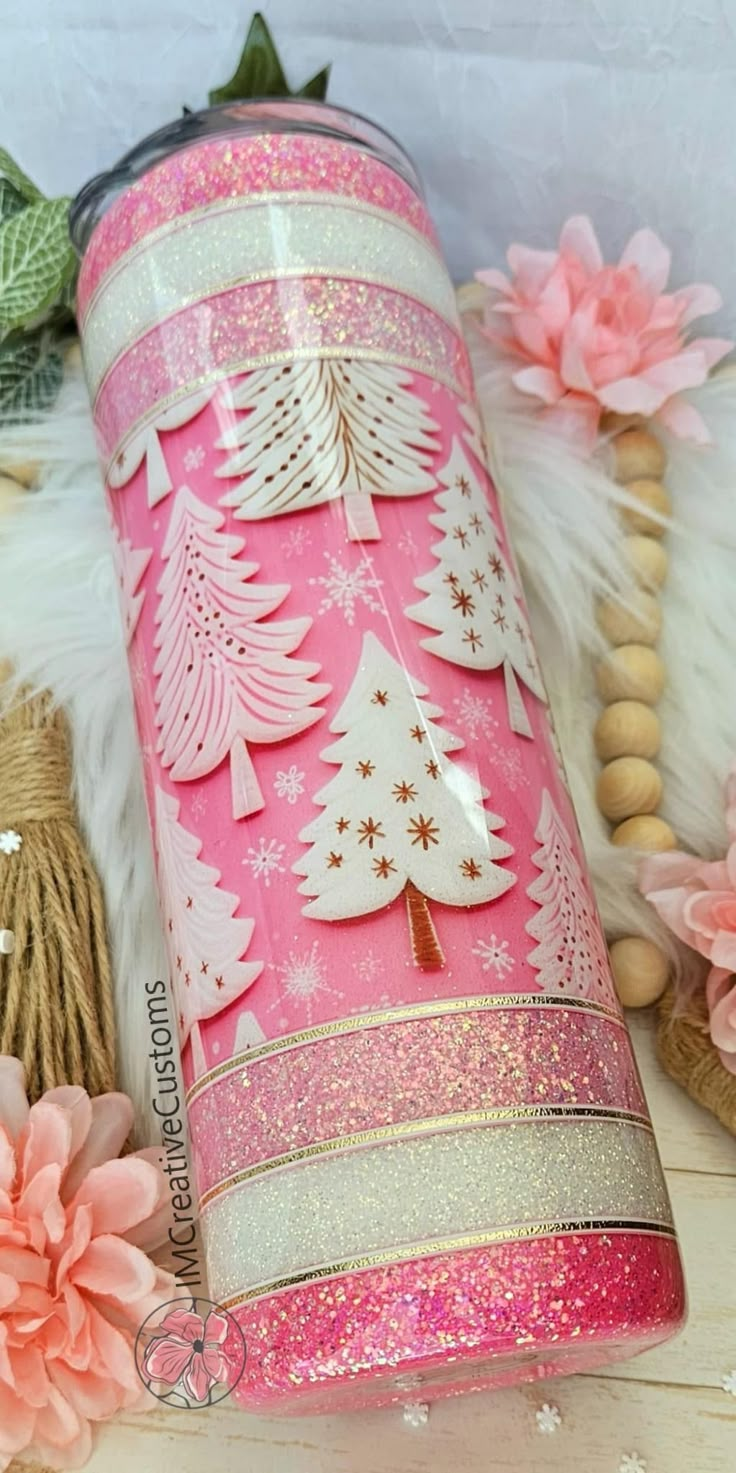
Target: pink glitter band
column 267, row 322
column 242, row 166
column 483, row 1308
column 407, row 1071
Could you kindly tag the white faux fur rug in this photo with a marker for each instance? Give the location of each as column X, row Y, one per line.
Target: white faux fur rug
column 59, row 622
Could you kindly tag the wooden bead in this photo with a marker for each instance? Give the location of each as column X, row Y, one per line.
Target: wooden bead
column 637, row 622
column 630, row 673
column 651, row 497
column 626, row 786
column 10, row 494
column 471, row 297
column 73, row 355
column 648, row 559
column 627, row 729
column 640, row 971
column 638, row 455
column 645, row 831
column 24, row 472
column 7, row 942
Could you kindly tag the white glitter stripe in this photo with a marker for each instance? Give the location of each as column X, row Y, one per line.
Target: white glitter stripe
column 225, row 248
column 381, row 1198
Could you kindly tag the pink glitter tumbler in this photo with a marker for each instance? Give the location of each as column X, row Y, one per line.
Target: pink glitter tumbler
column 424, row 1160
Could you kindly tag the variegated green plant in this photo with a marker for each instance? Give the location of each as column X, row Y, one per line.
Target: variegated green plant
column 37, row 268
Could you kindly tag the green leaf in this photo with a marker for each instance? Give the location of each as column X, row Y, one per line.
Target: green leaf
column 11, row 202
column 36, row 261
column 31, row 371
column 9, row 170
column 259, row 72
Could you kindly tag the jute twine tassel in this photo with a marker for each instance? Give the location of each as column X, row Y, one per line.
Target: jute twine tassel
column 56, row 1007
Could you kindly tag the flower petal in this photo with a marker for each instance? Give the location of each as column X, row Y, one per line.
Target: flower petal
column 215, row 1363
column 712, row 349
column 530, row 268
column 122, row 1194
column 112, row 1119
column 216, row 1329
column 39, row 1204
column 684, row 421
column 184, row 1323
column 45, row 1141
column 631, row 396
column 541, row 383
column 494, row 280
column 14, row 1106
column 154, row 1231
column 697, row 300
column 651, row 258
column 686, row 370
column 115, row 1269
column 196, row 1379
column 166, row 1359
column 579, row 238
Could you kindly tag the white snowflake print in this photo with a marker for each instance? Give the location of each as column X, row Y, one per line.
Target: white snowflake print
column 266, row 860
column 416, row 1414
column 548, row 1418
column 10, row 842
column 632, row 1463
column 507, row 762
column 728, row 1383
column 368, row 967
column 199, row 804
column 289, row 784
column 345, row 587
column 194, row 458
column 474, row 714
column 302, row 978
column 407, row 545
column 296, row 542
column 386, row 1000
column 494, row 955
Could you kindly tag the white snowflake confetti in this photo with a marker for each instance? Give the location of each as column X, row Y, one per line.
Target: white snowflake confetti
column 416, row 1414
column 345, row 587
column 199, row 804
column 632, row 1463
column 728, row 1383
column 368, row 967
column 474, row 714
column 296, row 542
column 494, row 955
column 289, row 784
column 548, row 1418
column 10, row 842
column 407, row 545
column 302, row 978
column 194, row 458
column 266, row 860
column 507, row 761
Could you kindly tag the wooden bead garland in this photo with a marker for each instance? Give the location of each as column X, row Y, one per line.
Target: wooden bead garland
column 630, row 681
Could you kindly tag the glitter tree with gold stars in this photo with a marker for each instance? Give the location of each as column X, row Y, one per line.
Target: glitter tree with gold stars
column 324, row 429
column 400, row 817
column 205, row 940
column 472, row 598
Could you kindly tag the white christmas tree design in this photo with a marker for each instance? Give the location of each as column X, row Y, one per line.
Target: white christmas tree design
column 130, row 564
column 226, row 677
column 571, row 957
column 205, row 941
column 399, row 817
column 324, row 429
column 472, row 597
column 146, row 445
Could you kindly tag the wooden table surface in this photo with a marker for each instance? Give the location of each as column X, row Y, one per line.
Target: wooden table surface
column 668, row 1405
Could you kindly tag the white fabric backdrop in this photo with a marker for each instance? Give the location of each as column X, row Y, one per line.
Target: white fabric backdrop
column 518, row 112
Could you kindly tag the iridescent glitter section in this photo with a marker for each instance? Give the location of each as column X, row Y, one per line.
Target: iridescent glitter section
column 227, row 167
column 486, row 1179
column 272, row 322
column 461, row 1321
column 406, row 1071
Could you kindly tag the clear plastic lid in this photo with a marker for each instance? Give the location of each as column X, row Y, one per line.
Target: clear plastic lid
column 290, row 115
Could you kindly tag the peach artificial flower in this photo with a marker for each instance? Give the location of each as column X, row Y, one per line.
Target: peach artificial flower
column 75, row 1281
column 595, row 337
column 696, row 898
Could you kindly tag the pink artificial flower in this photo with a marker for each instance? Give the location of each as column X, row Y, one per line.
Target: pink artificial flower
column 190, row 1350
column 597, row 337
column 696, row 898
column 75, row 1281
